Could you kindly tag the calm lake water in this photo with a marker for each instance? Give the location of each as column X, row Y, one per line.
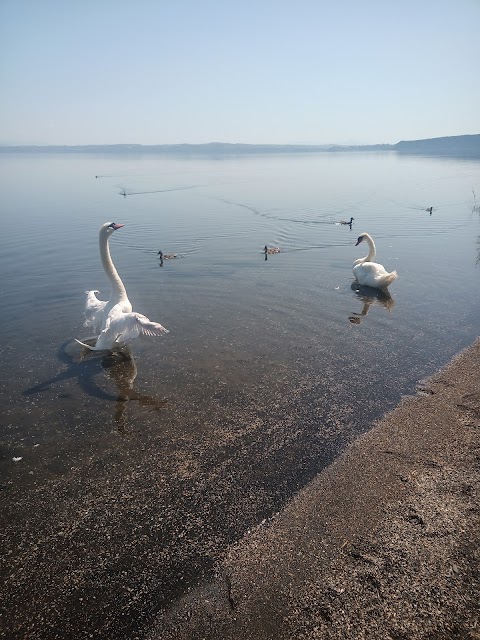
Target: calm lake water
column 134, row 475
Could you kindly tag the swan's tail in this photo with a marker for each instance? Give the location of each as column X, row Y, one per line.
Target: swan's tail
column 87, row 346
column 389, row 278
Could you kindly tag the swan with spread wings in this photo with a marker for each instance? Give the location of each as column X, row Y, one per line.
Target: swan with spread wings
column 117, row 322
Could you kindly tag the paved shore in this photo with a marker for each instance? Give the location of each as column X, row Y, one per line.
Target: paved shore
column 383, row 544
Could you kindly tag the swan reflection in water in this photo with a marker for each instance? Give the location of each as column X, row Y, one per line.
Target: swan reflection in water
column 369, row 297
column 119, row 366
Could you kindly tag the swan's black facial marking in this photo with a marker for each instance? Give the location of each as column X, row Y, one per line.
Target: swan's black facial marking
column 359, row 239
column 114, row 226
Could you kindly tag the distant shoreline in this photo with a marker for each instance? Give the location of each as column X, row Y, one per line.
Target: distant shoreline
column 461, row 146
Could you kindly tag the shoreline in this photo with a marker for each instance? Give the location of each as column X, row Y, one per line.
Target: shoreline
column 384, row 543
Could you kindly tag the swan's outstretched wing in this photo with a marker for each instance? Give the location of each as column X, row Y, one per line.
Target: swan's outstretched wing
column 122, row 327
column 93, row 310
column 128, row 326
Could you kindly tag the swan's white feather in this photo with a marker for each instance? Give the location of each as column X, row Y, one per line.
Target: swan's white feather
column 121, row 328
column 94, row 310
column 372, row 274
column 128, row 326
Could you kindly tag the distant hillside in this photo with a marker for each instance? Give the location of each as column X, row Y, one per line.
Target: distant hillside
column 464, row 146
column 211, row 148
column 458, row 146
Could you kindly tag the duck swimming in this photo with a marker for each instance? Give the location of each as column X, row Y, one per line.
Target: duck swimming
column 271, row 250
column 369, row 273
column 167, row 256
column 347, row 222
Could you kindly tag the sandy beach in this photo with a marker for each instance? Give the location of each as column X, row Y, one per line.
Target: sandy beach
column 382, row 544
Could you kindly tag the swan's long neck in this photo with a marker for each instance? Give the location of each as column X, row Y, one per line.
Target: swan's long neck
column 371, row 249
column 118, row 288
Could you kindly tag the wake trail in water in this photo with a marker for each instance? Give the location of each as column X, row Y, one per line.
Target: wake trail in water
column 125, row 193
column 267, row 215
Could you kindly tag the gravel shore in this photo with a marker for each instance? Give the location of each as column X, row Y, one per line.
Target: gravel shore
column 383, row 544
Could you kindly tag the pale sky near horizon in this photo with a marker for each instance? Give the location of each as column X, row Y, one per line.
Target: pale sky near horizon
column 256, row 71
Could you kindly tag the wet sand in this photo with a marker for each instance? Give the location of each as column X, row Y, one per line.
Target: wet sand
column 383, row 544
column 154, row 535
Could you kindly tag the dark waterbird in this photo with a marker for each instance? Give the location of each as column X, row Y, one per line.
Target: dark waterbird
column 271, row 250
column 167, row 256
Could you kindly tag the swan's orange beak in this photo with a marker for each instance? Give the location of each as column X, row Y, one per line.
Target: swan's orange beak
column 117, row 226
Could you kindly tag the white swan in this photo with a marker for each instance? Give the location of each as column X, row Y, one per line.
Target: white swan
column 115, row 318
column 369, row 273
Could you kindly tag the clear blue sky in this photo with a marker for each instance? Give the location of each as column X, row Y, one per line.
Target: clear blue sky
column 256, row 71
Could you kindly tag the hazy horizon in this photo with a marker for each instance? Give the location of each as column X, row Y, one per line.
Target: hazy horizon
column 256, row 73
column 218, row 144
